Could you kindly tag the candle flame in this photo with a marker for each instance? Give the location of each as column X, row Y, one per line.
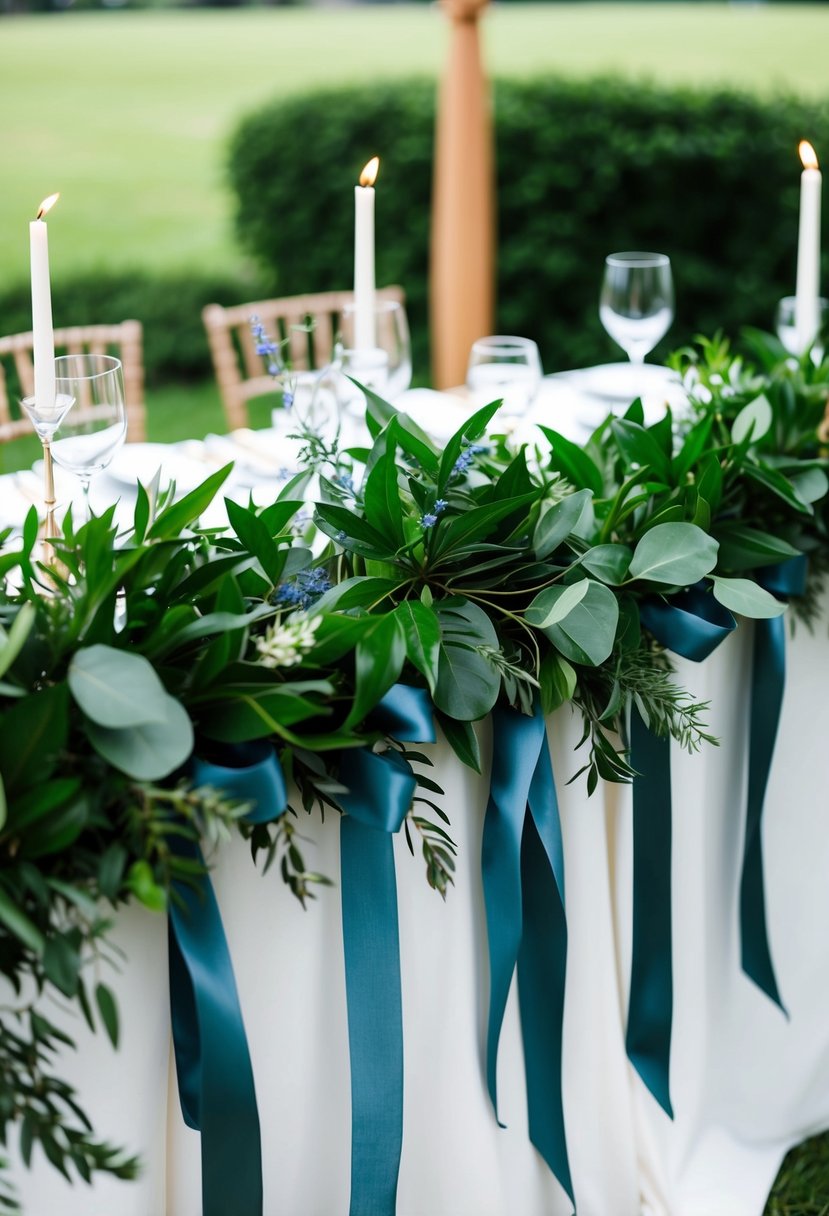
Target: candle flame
column 47, row 205
column 369, row 174
column 807, row 154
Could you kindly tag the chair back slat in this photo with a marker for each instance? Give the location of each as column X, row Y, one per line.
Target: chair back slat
column 241, row 373
column 124, row 341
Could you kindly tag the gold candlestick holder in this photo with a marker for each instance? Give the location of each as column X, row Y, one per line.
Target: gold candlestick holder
column 46, row 418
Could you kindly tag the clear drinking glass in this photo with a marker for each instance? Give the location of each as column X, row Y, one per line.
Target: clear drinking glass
column 786, row 328
column 636, row 306
column 506, row 366
column 95, row 423
column 390, row 360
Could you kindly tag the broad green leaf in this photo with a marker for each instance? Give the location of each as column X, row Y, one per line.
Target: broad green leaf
column 147, row 751
column 11, row 643
column 462, row 739
column 108, row 1011
column 55, row 832
column 32, row 734
column 379, row 658
column 810, row 485
column 62, row 963
column 778, row 484
column 609, row 563
column 558, row 522
column 558, row 681
column 116, row 688
column 256, row 715
column 351, row 531
column 381, row 492
column 709, row 483
column 141, row 882
column 555, row 603
column 18, row 923
column 471, row 430
column 356, row 592
column 468, row 683
column 674, row 554
column 477, row 523
column 753, row 420
column 422, row 631
column 254, row 534
column 573, row 462
column 587, row 632
column 744, row 596
column 692, row 448
column 743, row 548
column 179, row 515
column 638, row 446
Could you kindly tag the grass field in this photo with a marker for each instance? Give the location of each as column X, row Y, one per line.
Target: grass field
column 127, row 113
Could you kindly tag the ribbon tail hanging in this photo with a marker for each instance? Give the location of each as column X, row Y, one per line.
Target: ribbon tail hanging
column 650, row 1005
column 767, row 685
column 542, row 967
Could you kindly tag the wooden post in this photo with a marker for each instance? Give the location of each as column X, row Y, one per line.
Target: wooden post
column 462, row 274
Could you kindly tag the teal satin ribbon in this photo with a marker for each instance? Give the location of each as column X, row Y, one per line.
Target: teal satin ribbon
column 380, row 791
column 767, row 685
column 215, row 1077
column 523, row 876
column 692, row 624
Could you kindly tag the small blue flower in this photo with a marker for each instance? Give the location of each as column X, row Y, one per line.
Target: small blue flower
column 440, row 505
column 274, row 369
column 428, row 520
column 305, row 587
column 287, row 400
column 345, row 480
column 341, row 537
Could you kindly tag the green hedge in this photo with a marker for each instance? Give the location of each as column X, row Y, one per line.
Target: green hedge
column 583, row 169
column 169, row 307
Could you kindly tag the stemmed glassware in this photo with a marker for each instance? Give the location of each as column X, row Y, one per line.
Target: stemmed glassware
column 46, row 416
column 785, row 324
column 94, row 424
column 504, row 366
column 387, row 366
column 636, row 306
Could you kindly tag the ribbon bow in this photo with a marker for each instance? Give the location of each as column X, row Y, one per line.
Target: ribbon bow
column 215, row 1077
column 523, row 876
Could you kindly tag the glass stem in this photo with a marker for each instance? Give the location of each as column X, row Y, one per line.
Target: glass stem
column 87, row 511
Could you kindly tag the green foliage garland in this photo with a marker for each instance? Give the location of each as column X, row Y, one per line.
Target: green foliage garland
column 480, row 572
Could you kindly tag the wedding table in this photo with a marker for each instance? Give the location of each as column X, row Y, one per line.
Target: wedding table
column 747, row 1079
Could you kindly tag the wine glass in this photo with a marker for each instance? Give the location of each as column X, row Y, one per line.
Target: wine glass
column 95, row 424
column 389, row 361
column 504, row 366
column 636, row 306
column 785, row 324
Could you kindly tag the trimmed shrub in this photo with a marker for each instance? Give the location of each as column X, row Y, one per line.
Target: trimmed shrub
column 584, row 169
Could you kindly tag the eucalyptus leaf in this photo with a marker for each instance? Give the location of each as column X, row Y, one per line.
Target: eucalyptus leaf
column 744, row 596
column 555, row 603
column 116, row 688
column 556, row 524
column 468, row 683
column 674, row 554
column 608, row 563
column 147, row 751
column 753, row 421
column 587, row 633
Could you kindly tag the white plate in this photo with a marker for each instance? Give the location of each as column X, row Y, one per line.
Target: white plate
column 141, row 461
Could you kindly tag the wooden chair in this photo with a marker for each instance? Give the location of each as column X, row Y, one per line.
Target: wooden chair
column 241, row 373
column 124, row 341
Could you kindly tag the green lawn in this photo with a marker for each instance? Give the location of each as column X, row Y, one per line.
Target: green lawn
column 127, row 113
